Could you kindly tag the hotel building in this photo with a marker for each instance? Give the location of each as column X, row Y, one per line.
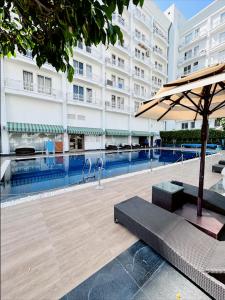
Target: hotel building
column 109, row 84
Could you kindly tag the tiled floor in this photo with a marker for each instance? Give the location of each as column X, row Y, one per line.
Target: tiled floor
column 136, row 274
column 51, row 245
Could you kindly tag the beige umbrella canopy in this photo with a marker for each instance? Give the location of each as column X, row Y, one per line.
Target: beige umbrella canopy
column 200, row 95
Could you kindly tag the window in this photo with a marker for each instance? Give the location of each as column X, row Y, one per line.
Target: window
column 196, row 50
column 89, row 71
column 28, row 81
column 142, row 74
column 143, row 56
column 44, row 85
column 195, row 65
column 197, row 30
column 143, row 37
column 136, row 106
column 137, row 71
column 137, row 34
column 79, row 67
column 222, row 37
column 113, row 59
column 113, row 77
column 120, row 83
column 188, row 38
column 120, row 103
column 187, row 54
column 121, row 20
column 137, row 53
column 89, row 95
column 187, row 70
column 143, row 91
column 80, row 45
column 120, row 62
column 184, row 125
column 78, row 92
column 137, row 89
column 88, row 49
column 222, row 17
column 192, row 125
column 113, row 100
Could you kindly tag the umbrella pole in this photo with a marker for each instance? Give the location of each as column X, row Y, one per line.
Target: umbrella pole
column 204, row 138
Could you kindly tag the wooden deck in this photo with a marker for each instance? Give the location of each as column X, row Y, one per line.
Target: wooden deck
column 51, row 245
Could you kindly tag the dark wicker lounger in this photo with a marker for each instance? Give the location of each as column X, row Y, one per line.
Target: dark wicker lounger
column 211, row 199
column 217, row 168
column 222, row 162
column 197, row 255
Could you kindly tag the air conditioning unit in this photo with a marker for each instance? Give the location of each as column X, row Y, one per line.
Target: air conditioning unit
column 109, row 82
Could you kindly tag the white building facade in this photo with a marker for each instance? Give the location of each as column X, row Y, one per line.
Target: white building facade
column 98, row 107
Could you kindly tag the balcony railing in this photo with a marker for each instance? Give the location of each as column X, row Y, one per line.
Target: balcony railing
column 84, row 99
column 160, row 33
column 194, row 56
column 29, row 88
column 145, row 42
column 218, row 22
column 117, row 64
column 119, row 20
column 117, row 108
column 123, row 47
column 89, row 51
column 201, row 34
column 89, row 76
column 159, row 52
column 144, row 60
column 116, row 85
column 141, row 77
column 140, row 16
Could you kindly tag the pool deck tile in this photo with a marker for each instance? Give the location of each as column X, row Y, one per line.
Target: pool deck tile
column 53, row 244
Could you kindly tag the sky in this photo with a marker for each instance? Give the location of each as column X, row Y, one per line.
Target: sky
column 188, row 7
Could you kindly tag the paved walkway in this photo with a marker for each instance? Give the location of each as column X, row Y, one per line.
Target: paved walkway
column 51, row 245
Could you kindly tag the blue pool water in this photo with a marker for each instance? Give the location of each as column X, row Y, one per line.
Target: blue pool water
column 30, row 176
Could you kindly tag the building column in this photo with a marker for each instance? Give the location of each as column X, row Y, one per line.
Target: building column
column 5, row 149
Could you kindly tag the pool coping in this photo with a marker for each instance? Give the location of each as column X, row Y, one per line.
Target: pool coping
column 60, row 191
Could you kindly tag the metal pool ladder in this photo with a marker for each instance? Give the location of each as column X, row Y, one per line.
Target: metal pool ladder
column 87, row 165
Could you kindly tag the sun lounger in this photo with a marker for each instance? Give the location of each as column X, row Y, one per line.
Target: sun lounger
column 217, row 168
column 211, row 199
column 197, row 255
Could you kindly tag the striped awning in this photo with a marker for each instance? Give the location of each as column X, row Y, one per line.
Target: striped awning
column 141, row 133
column 34, row 128
column 85, row 130
column 117, row 132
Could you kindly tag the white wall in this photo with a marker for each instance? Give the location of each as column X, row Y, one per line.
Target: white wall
column 83, row 117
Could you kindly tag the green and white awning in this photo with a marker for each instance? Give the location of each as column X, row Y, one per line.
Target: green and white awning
column 117, row 132
column 141, row 133
column 34, row 128
column 85, row 130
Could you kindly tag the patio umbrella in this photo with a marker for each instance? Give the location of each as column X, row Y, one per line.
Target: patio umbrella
column 200, row 95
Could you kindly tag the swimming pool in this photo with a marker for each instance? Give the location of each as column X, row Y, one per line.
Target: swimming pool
column 30, row 176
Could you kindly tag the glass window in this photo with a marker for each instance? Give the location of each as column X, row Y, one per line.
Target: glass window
column 188, row 38
column 196, row 50
column 142, row 74
column 120, row 103
column 80, row 45
column 88, row 49
column 89, row 95
column 136, row 106
column 48, row 85
column 41, row 84
column 137, row 89
column 197, row 30
column 120, row 62
column 78, row 92
column 89, row 71
column 28, row 81
column 79, row 67
column 187, row 69
column 113, row 100
column 113, row 77
column 113, row 59
column 187, row 54
column 143, row 91
column 184, row 125
column 192, row 125
column 120, row 83
column 44, row 84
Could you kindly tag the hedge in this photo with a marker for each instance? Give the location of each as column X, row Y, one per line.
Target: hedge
column 191, row 136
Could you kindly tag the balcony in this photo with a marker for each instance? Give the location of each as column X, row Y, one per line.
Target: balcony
column 124, row 48
column 217, row 24
column 87, row 76
column 159, row 69
column 90, row 52
column 217, row 44
column 139, row 95
column 142, row 42
column 116, row 65
column 202, row 34
column 120, row 21
column 143, row 78
column 184, row 60
column 146, row 60
column 116, row 86
column 160, row 53
column 141, row 17
column 84, row 100
column 117, row 108
column 160, row 34
column 30, row 89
